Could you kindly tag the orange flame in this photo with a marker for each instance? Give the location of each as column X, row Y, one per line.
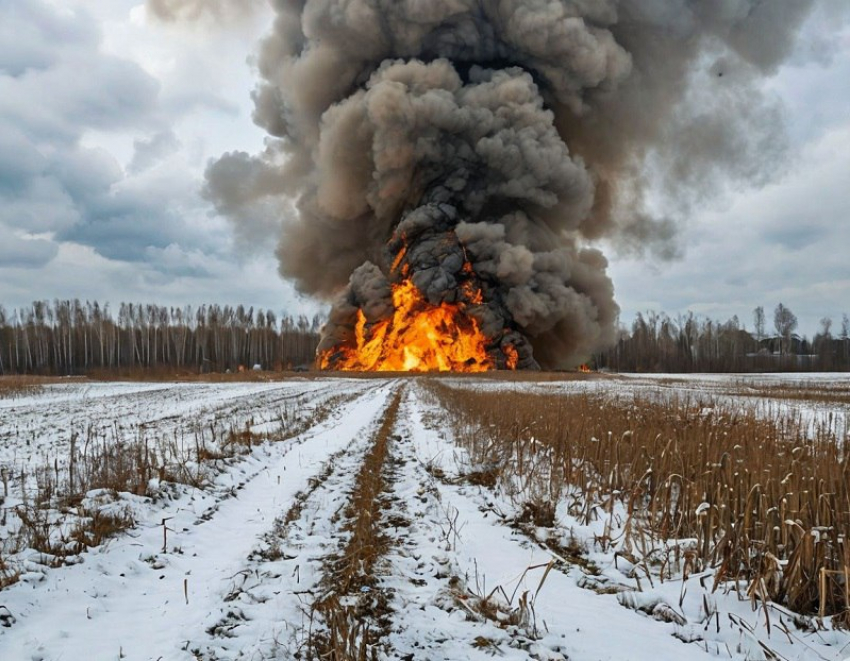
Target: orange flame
column 512, row 356
column 585, row 369
column 420, row 337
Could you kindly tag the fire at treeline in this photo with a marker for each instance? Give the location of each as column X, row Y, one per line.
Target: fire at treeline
column 78, row 338
column 445, row 173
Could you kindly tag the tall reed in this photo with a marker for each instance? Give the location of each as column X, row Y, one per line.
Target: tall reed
column 764, row 500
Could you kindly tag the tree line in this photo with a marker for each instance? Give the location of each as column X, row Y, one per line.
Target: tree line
column 72, row 337
column 658, row 343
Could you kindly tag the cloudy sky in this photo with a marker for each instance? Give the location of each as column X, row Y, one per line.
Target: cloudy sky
column 108, row 119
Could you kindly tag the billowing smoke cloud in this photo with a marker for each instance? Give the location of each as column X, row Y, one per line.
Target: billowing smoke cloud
column 512, row 133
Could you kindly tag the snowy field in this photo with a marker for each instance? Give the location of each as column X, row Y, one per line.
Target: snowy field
column 243, row 523
column 819, row 398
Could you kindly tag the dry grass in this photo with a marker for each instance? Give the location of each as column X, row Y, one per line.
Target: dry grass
column 170, row 374
column 758, row 500
column 55, row 513
column 817, row 392
column 354, row 612
column 187, row 375
column 63, row 509
column 20, row 386
column 495, row 375
column 512, row 611
column 811, row 391
column 9, row 575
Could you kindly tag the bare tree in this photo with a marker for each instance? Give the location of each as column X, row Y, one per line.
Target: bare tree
column 824, row 345
column 759, row 323
column 69, row 338
column 785, row 323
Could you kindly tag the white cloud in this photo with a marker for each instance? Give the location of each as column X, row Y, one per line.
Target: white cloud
column 106, row 125
column 785, row 243
column 26, row 253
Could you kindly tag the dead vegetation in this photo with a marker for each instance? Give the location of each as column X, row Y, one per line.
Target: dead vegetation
column 812, row 392
column 185, row 375
column 353, row 610
column 506, row 611
column 60, row 508
column 20, row 386
column 685, row 485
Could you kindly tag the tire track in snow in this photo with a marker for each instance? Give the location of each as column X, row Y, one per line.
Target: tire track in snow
column 417, row 602
column 266, row 611
column 289, row 442
column 457, row 552
column 438, row 610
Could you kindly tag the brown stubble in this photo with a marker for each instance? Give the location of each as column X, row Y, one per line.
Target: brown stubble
column 754, row 494
column 352, row 607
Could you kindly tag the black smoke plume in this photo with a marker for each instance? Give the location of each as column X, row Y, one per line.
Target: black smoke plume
column 512, row 133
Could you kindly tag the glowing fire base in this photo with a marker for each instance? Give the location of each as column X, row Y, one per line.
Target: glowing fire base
column 419, row 337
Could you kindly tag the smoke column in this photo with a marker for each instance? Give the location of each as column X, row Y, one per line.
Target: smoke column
column 509, row 133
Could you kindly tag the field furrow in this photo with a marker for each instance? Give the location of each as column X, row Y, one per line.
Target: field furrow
column 477, row 586
column 271, row 608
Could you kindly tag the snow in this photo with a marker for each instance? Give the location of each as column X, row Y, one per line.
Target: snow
column 230, row 569
column 129, row 598
column 570, row 622
column 728, row 390
column 584, row 625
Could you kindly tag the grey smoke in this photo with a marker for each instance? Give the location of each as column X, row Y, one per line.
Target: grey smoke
column 518, row 131
column 244, row 187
